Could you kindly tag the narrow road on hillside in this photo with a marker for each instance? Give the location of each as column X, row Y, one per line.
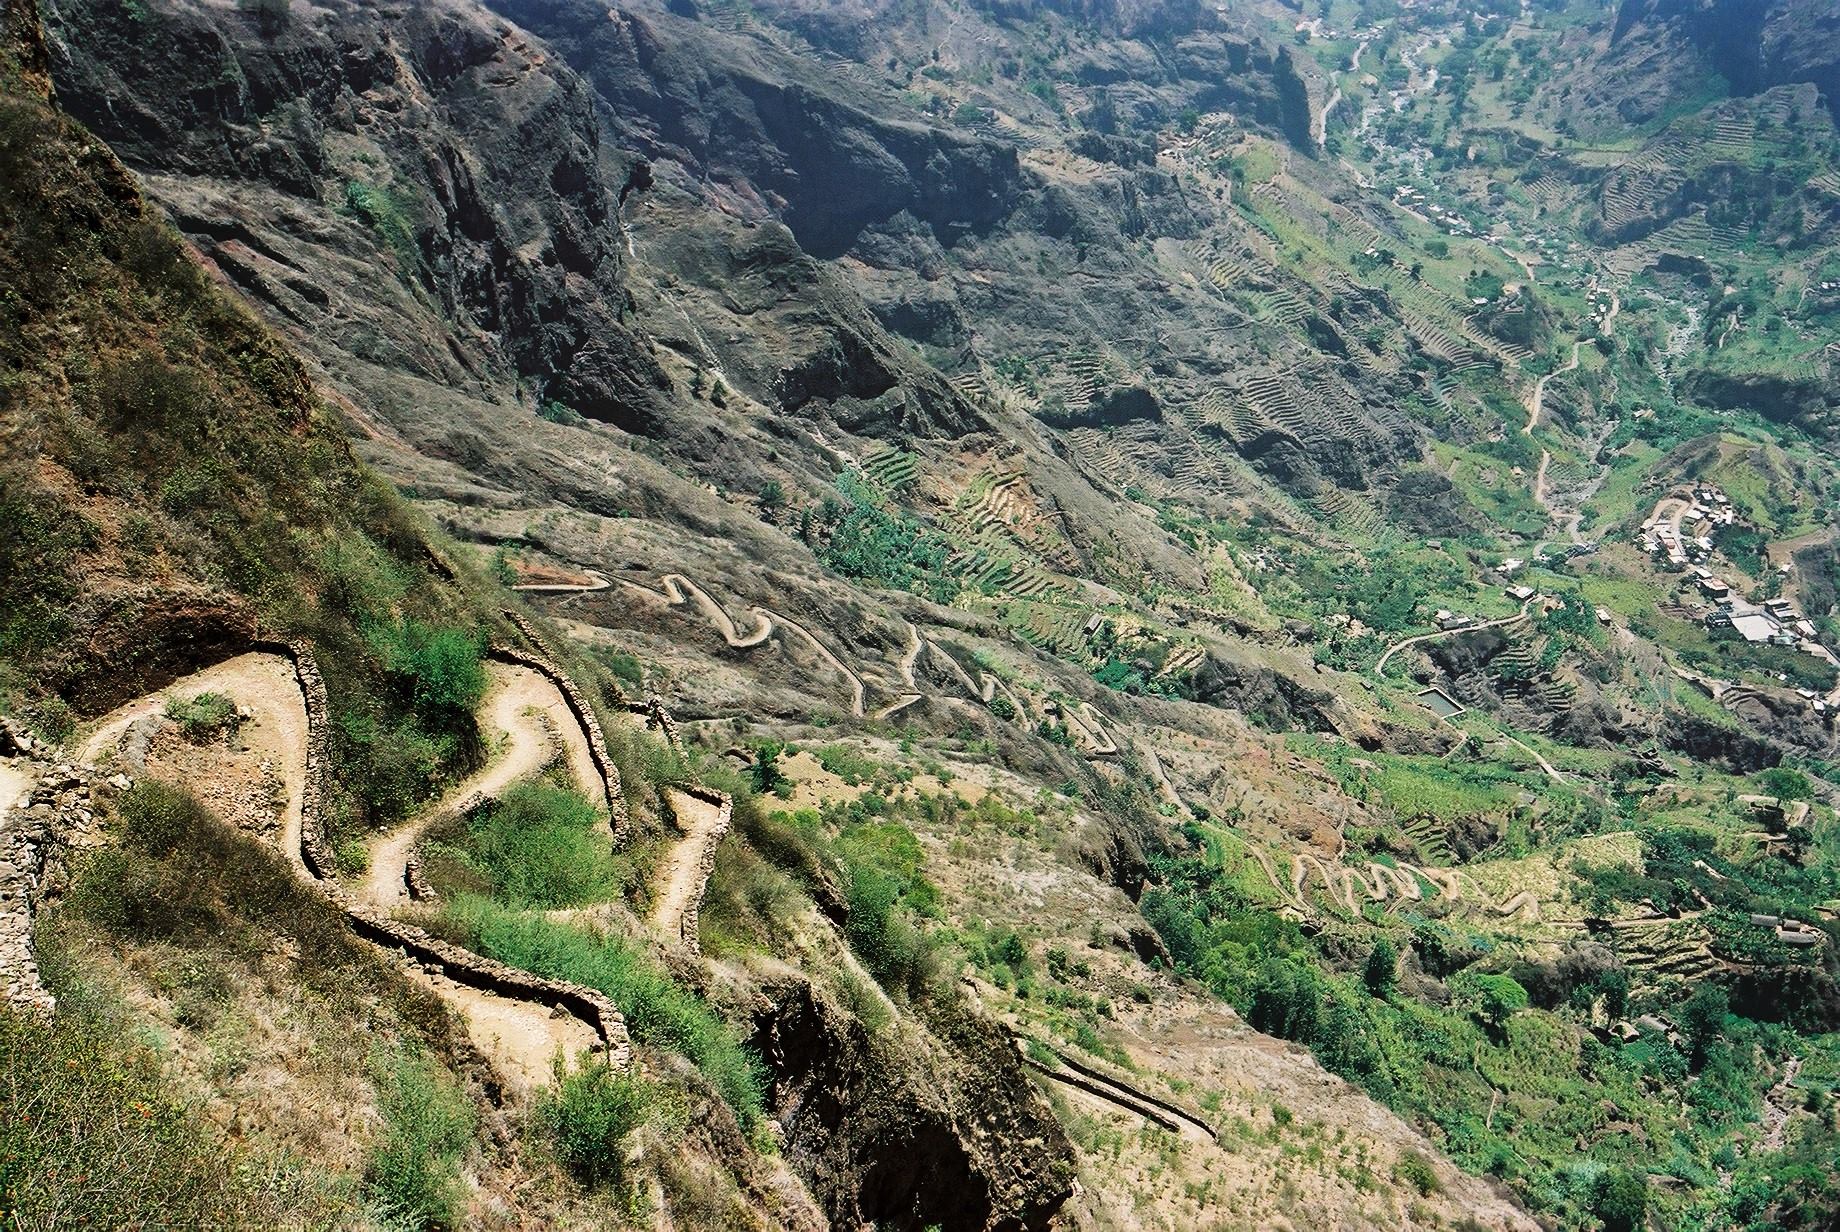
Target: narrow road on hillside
column 511, row 719
column 1538, row 399
column 685, row 867
column 521, row 1037
column 262, row 684
column 678, row 590
column 1432, row 636
column 598, row 582
column 1776, row 1107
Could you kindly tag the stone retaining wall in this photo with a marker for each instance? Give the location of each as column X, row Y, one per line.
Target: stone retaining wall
column 688, row 927
column 543, row 663
column 661, row 718
column 454, row 961
column 58, row 808
column 418, row 886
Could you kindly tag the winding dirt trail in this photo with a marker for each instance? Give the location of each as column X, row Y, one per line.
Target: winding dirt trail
column 685, row 867
column 1776, row 1108
column 1416, row 639
column 910, row 658
column 262, row 684
column 678, row 590
column 1536, row 402
column 599, row 582
column 521, row 1037
column 14, row 784
column 522, row 716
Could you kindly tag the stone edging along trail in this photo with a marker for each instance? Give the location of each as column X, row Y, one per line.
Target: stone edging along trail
column 544, row 662
column 680, row 903
column 1116, row 1091
column 457, row 962
column 44, row 805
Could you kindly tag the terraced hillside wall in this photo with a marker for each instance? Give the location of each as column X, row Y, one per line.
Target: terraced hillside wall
column 58, row 806
column 455, row 961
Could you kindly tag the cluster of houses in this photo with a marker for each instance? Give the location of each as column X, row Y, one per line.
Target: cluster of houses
column 1687, row 536
column 1789, row 932
column 1774, row 620
column 1450, row 622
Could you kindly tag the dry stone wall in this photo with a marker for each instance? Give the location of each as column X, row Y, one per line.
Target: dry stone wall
column 543, row 662
column 689, row 927
column 57, row 809
column 440, row 956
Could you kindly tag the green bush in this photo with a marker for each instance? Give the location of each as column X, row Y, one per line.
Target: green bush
column 391, row 767
column 543, row 846
column 658, row 1011
column 204, row 717
column 884, row 887
column 1415, row 1170
column 439, row 669
column 414, row 1170
column 588, row 1115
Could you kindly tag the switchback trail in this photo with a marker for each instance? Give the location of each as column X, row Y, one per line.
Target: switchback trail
column 1538, row 400
column 682, row 873
column 520, row 712
column 519, row 1032
column 262, row 684
column 678, row 590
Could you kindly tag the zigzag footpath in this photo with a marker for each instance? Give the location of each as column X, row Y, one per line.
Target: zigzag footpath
column 679, row 590
column 704, row 815
column 520, row 1017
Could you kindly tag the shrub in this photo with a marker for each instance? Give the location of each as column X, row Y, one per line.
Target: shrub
column 203, row 717
column 657, row 1010
column 414, row 1171
column 588, row 1115
column 543, row 846
column 438, row 669
column 92, row 1137
column 1379, row 974
column 766, row 774
column 1620, row 1200
column 390, row 766
column 1415, row 1170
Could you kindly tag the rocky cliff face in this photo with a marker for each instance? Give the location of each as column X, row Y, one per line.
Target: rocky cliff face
column 1753, row 44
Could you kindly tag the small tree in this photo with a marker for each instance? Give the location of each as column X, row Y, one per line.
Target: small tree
column 1380, row 973
column 767, row 776
column 1621, row 1200
column 1495, row 999
column 1702, row 1020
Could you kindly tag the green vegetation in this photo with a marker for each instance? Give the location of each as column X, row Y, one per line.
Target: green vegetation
column 1504, row 1033
column 388, row 214
column 588, row 1115
column 857, row 536
column 92, row 1135
column 538, row 846
column 658, row 1011
column 204, row 716
column 414, row 1169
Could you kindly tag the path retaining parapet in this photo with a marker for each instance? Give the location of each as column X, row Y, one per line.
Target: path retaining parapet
column 457, row 962
column 689, row 927
column 659, row 717
column 417, row 884
column 544, row 664
column 56, row 809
